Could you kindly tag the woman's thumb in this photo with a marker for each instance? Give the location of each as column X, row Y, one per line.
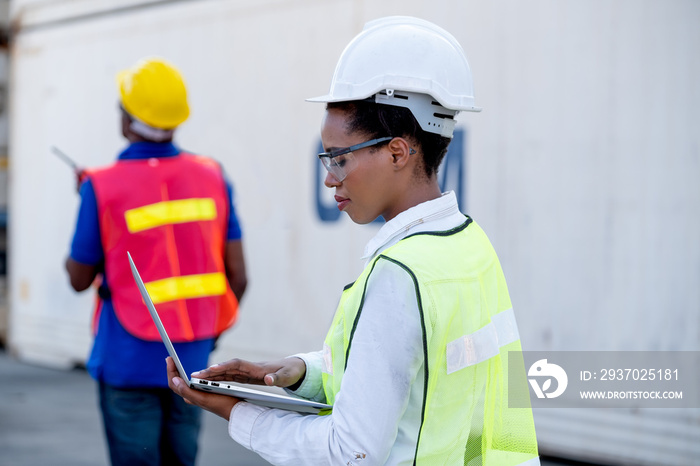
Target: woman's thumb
column 270, row 379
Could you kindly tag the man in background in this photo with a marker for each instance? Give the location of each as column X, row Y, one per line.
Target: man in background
column 173, row 211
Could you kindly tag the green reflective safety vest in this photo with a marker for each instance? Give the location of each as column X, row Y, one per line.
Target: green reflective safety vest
column 468, row 329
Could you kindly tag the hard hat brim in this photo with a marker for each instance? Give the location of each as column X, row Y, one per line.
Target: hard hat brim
column 328, row 98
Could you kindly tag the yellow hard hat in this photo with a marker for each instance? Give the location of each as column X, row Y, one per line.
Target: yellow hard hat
column 154, row 92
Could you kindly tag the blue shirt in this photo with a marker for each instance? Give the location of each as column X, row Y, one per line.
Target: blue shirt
column 117, row 357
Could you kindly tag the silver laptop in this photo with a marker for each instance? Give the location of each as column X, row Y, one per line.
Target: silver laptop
column 270, row 400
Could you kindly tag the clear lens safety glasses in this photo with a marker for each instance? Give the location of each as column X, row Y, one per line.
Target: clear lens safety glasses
column 340, row 162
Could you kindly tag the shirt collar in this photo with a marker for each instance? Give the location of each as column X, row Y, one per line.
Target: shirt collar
column 411, row 220
column 147, row 150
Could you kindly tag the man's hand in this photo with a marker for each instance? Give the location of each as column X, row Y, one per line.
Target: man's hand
column 221, row 405
column 80, row 175
column 282, row 373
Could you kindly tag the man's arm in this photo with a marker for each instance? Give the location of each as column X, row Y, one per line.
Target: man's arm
column 81, row 275
column 86, row 246
column 235, row 268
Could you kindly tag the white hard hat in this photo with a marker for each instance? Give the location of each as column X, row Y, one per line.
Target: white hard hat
column 400, row 61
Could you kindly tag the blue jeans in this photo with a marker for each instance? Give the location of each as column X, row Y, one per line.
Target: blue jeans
column 149, row 426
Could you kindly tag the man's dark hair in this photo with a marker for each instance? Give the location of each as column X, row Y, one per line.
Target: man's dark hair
column 377, row 120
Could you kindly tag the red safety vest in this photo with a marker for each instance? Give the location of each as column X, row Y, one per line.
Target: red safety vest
column 171, row 214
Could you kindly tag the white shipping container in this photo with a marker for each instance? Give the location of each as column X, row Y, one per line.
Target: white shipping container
column 582, row 169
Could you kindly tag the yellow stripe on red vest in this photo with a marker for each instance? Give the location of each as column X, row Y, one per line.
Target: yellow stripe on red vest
column 169, row 212
column 187, row 286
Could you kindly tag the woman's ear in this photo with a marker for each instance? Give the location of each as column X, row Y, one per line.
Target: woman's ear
column 401, row 152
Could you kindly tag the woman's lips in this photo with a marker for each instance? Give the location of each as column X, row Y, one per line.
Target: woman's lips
column 342, row 202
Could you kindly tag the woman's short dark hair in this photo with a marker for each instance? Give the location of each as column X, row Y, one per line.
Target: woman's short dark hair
column 377, row 120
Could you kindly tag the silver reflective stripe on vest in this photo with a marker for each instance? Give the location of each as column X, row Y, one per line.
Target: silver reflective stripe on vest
column 506, row 327
column 327, row 359
column 483, row 344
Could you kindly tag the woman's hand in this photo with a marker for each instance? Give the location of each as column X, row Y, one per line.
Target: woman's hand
column 281, row 373
column 221, row 405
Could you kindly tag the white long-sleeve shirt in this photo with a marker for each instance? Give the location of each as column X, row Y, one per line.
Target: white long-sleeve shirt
column 376, row 415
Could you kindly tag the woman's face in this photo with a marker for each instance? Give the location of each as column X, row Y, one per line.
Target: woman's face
column 367, row 191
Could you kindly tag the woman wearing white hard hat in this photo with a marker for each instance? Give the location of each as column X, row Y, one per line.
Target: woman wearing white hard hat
column 415, row 363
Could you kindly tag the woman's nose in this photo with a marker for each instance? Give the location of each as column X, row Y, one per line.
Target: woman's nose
column 331, row 181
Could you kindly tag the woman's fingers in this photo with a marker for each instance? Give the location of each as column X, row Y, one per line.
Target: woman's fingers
column 220, row 405
column 281, row 373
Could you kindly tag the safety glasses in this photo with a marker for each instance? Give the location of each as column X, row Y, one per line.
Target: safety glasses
column 340, row 162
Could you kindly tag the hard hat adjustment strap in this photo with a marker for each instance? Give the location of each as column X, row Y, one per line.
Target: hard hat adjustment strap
column 430, row 114
column 149, row 132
